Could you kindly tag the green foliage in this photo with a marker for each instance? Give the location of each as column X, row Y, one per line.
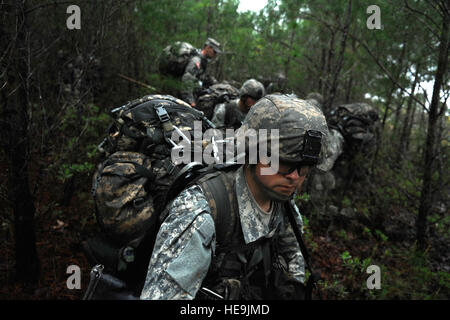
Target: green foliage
column 303, row 197
column 381, row 235
column 79, row 155
column 346, row 202
column 66, row 171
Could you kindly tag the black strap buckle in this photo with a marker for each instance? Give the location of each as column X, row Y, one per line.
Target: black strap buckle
column 161, row 112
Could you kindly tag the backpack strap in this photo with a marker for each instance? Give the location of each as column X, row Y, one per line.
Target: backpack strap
column 220, row 194
column 314, row 277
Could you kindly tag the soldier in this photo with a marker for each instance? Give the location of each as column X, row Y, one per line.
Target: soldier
column 277, row 84
column 316, row 99
column 196, row 69
column 231, row 114
column 258, row 255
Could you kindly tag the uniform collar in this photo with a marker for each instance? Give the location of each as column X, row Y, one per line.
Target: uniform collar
column 250, row 214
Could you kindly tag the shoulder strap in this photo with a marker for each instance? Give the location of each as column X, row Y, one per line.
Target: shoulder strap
column 298, row 234
column 220, row 195
column 314, row 277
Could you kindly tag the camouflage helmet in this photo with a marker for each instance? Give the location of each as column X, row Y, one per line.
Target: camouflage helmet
column 253, row 89
column 213, row 44
column 315, row 98
column 302, row 128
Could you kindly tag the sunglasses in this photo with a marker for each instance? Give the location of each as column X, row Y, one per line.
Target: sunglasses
column 302, row 169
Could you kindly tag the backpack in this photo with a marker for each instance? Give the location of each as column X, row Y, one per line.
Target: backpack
column 357, row 122
column 215, row 94
column 131, row 184
column 175, row 57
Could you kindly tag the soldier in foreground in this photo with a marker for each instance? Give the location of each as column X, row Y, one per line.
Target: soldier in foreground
column 231, row 114
column 196, row 69
column 253, row 253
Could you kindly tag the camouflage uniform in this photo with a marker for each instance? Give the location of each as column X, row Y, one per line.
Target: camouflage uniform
column 185, row 247
column 230, row 115
column 195, row 72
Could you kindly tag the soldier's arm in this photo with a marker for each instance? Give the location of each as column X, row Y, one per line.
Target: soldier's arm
column 290, row 249
column 190, row 79
column 183, row 249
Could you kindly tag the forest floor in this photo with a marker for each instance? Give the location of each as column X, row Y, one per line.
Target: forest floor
column 341, row 248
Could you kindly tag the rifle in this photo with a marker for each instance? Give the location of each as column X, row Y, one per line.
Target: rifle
column 103, row 286
column 137, row 82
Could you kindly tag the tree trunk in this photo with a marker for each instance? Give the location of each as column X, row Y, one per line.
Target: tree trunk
column 433, row 117
column 348, row 90
column 397, row 112
column 27, row 263
column 404, row 136
column 322, row 68
column 329, row 63
column 394, row 86
column 409, row 128
column 288, row 58
column 388, row 107
column 383, row 123
column 337, row 70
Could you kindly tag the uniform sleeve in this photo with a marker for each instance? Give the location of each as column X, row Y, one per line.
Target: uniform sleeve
column 190, row 79
column 290, row 249
column 183, row 249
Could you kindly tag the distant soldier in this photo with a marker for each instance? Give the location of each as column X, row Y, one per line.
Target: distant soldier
column 353, row 135
column 359, row 124
column 316, row 99
column 252, row 251
column 183, row 61
column 195, row 71
column 231, row 114
column 277, row 83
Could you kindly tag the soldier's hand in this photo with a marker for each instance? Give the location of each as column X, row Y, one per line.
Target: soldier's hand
column 193, row 104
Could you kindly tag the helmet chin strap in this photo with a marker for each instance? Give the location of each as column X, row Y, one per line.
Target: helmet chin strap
column 269, row 193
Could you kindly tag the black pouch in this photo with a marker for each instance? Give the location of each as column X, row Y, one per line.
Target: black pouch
column 103, row 286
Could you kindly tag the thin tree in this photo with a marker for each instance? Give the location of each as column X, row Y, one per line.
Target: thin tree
column 426, row 199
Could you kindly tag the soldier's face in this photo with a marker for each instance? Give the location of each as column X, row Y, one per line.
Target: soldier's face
column 249, row 102
column 282, row 183
column 210, row 52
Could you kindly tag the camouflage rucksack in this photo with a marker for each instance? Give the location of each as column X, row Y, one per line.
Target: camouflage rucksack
column 175, row 57
column 215, row 94
column 357, row 122
column 131, row 183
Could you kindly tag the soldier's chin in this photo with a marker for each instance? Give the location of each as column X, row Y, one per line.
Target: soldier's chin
column 269, row 193
column 277, row 196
